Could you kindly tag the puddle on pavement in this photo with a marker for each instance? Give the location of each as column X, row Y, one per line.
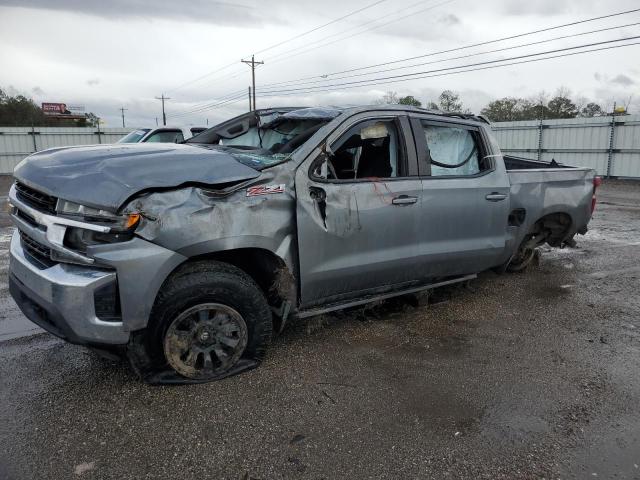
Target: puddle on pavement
column 512, row 425
column 443, row 410
column 614, row 451
column 552, row 291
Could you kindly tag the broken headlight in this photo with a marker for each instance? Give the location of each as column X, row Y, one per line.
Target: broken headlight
column 78, row 239
column 118, row 223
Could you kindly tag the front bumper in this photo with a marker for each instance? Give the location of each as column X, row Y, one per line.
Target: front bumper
column 61, row 289
column 60, row 299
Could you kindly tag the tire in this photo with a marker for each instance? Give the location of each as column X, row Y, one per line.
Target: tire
column 210, row 320
column 522, row 260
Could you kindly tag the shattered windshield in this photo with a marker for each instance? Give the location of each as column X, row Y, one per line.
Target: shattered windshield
column 272, row 143
column 256, row 160
column 264, row 139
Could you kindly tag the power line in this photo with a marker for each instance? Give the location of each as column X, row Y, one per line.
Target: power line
column 511, row 37
column 461, row 69
column 374, row 20
column 209, row 106
column 233, row 75
column 190, row 82
column 311, row 89
column 489, row 67
column 236, row 74
column 204, row 103
column 218, row 80
column 322, row 26
column 306, row 50
column 415, row 74
column 562, row 37
column 295, row 49
column 214, row 107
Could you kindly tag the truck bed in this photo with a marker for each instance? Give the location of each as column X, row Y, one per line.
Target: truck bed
column 526, row 171
column 520, row 163
column 544, row 188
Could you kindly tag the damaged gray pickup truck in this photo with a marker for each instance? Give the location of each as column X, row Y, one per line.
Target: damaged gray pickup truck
column 187, row 257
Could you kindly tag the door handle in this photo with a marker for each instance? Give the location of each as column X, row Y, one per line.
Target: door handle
column 495, row 196
column 404, row 200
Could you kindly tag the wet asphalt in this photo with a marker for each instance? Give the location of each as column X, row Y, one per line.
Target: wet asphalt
column 532, row 375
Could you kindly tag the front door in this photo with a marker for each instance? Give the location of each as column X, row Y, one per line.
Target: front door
column 358, row 210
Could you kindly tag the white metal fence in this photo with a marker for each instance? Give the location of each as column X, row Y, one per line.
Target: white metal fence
column 18, row 142
column 610, row 145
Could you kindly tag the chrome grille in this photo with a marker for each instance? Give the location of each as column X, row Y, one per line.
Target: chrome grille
column 40, row 254
column 38, row 200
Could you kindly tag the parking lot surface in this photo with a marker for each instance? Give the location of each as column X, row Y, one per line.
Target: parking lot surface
column 531, row 375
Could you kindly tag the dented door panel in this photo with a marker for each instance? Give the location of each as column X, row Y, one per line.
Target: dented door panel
column 352, row 237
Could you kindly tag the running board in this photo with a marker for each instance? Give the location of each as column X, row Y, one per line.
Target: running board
column 377, row 298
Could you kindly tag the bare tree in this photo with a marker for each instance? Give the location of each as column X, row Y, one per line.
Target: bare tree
column 389, row 98
column 563, row 91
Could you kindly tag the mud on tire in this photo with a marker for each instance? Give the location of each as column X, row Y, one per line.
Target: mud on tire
column 194, row 288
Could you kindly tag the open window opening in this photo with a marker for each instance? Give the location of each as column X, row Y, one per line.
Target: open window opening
column 368, row 150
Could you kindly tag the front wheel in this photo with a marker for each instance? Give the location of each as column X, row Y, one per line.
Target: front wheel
column 210, row 320
column 205, row 341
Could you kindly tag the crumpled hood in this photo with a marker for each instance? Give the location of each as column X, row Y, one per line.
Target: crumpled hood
column 105, row 176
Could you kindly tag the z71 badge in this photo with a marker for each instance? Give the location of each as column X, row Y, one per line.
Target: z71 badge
column 265, row 190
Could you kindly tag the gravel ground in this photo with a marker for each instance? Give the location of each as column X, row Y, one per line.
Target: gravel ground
column 531, row 375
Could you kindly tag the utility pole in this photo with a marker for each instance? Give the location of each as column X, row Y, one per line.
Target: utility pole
column 250, row 109
column 122, row 110
column 164, row 117
column 252, row 63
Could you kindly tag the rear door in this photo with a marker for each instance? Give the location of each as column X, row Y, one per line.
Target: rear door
column 357, row 211
column 465, row 198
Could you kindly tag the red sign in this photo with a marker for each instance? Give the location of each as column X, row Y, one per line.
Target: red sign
column 55, row 109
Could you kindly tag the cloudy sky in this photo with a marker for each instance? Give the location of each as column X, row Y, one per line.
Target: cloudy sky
column 108, row 54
